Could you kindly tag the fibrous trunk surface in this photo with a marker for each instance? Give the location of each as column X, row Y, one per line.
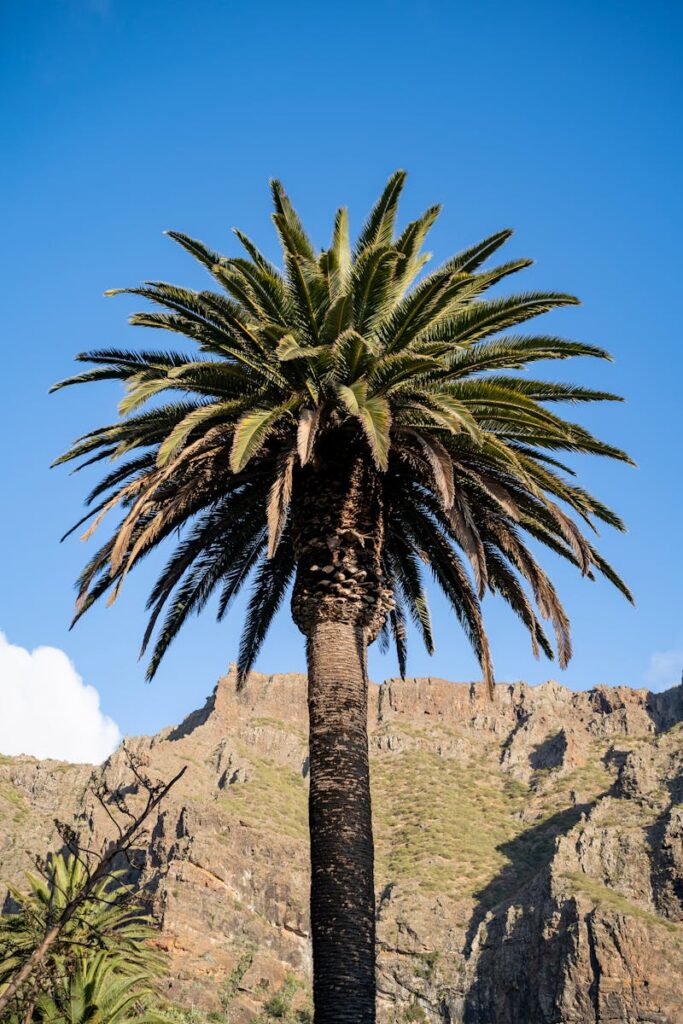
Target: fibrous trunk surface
column 338, row 532
column 339, row 603
column 342, row 858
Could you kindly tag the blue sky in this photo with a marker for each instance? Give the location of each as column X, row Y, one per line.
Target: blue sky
column 121, row 119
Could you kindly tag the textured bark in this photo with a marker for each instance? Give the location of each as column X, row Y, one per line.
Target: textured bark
column 342, row 860
column 339, row 603
column 338, row 534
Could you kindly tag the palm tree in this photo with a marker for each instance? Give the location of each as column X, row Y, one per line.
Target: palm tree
column 99, row 992
column 109, row 923
column 340, row 425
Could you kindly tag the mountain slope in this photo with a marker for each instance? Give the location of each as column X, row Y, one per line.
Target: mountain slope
column 529, row 850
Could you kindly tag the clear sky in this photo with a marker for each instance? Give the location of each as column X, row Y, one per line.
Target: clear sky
column 122, row 118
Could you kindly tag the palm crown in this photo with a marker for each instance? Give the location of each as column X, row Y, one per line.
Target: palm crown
column 417, row 372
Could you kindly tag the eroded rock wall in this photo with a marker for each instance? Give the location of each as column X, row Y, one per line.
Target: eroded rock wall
column 529, row 849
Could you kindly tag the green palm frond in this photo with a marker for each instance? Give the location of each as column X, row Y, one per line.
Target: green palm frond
column 109, row 934
column 98, row 991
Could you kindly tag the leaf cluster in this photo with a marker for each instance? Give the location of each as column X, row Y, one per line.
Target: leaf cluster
column 424, row 370
column 103, row 963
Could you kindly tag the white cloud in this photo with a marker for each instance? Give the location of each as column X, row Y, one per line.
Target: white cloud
column 47, row 710
column 664, row 669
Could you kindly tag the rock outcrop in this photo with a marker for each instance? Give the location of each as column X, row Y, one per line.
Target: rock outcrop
column 529, row 849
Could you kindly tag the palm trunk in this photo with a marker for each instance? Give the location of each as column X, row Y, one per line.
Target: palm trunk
column 342, row 857
column 339, row 603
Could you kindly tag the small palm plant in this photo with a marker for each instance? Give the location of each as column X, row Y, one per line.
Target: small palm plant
column 100, row 991
column 342, row 426
column 110, row 922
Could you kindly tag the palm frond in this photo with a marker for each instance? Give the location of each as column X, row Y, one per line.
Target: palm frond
column 378, row 230
column 270, row 584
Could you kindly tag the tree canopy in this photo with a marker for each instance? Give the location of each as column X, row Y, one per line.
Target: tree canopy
column 421, row 368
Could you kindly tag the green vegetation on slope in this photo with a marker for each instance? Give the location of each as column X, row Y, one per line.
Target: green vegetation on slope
column 446, row 825
column 440, row 822
column 273, row 797
column 468, row 828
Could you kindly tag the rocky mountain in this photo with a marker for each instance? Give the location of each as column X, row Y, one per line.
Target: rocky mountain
column 529, row 849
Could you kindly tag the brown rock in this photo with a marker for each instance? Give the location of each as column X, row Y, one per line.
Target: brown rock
column 529, row 848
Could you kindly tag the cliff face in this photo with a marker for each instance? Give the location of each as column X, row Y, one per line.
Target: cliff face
column 529, row 850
